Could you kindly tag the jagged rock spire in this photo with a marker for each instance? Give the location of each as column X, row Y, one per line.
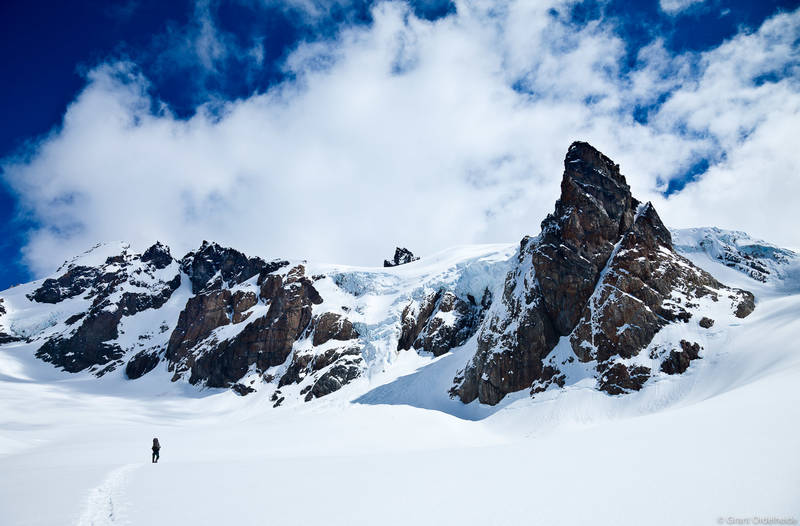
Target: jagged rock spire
column 602, row 272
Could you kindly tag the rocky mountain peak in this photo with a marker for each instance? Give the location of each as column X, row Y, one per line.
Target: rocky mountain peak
column 602, row 272
column 401, row 257
column 584, row 155
column 584, row 300
column 158, row 255
column 212, row 266
column 595, row 208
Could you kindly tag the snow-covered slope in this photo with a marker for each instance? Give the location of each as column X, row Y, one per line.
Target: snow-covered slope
column 718, row 442
column 775, row 268
column 601, row 298
column 621, row 366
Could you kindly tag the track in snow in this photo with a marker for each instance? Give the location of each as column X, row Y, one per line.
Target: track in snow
column 106, row 504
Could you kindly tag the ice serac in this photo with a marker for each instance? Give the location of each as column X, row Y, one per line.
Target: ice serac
column 4, row 336
column 758, row 259
column 602, row 273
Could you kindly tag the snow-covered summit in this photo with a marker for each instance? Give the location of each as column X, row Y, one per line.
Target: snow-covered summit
column 760, row 260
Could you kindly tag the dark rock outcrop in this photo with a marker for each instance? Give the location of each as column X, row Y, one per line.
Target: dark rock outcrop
column 594, row 210
column 273, row 309
column 440, row 322
column 619, row 379
column 141, row 364
column 88, row 345
column 8, row 338
column 746, row 303
column 706, row 323
column 332, row 368
column 635, row 298
column 242, row 390
column 158, row 255
column 5, row 337
column 515, row 336
column 333, row 379
column 123, row 285
column 401, row 257
column 233, row 267
column 73, row 282
column 332, row 326
column 603, row 272
column 263, row 343
column 678, row 361
column 203, row 314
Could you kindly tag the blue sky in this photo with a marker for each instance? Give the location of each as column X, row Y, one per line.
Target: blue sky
column 215, row 72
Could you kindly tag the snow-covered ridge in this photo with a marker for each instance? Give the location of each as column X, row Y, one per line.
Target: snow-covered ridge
column 760, row 260
column 62, row 309
column 488, row 319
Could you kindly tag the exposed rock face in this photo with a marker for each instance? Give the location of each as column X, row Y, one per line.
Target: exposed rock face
column 619, row 379
column 263, row 343
column 706, row 323
column 603, row 272
column 204, row 313
column 8, row 338
column 244, row 317
column 401, row 257
column 338, row 364
column 746, row 303
column 515, row 336
column 158, row 255
column 678, row 361
column 212, row 266
column 124, row 285
column 88, row 345
column 328, row 371
column 343, row 372
column 594, row 210
column 72, row 283
column 332, row 326
column 141, row 364
column 640, row 292
column 440, row 322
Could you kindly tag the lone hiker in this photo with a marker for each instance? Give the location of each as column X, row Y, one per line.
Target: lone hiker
column 156, row 449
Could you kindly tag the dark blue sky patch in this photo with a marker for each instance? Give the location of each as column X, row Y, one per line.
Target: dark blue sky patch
column 694, row 172
column 698, row 28
column 642, row 112
column 12, row 271
column 45, row 46
column 46, row 51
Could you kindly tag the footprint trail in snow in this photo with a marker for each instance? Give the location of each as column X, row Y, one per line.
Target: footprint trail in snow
column 106, row 504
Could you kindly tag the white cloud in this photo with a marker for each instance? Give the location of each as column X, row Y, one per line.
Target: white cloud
column 674, row 7
column 747, row 101
column 423, row 134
